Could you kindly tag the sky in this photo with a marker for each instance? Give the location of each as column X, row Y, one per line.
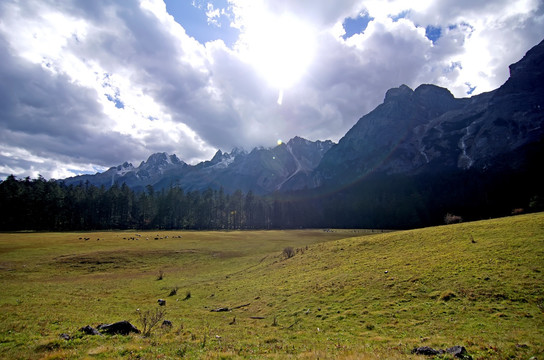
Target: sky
column 86, row 85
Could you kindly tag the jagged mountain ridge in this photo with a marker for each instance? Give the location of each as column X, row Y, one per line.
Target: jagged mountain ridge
column 286, row 167
column 429, row 130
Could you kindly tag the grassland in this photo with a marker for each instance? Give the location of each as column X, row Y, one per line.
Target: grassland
column 345, row 294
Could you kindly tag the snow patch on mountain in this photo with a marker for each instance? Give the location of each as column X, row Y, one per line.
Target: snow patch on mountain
column 122, row 170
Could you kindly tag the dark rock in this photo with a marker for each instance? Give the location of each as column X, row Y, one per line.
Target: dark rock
column 118, row 328
column 459, row 352
column 425, row 350
column 161, row 302
column 65, row 336
column 89, row 330
column 166, row 324
column 221, row 309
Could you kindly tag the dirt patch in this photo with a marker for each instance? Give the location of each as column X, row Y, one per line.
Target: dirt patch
column 7, row 266
column 121, row 259
column 98, row 261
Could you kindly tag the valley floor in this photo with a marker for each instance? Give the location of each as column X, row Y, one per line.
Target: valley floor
column 351, row 294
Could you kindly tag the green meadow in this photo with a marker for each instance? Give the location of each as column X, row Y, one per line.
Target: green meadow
column 345, row 294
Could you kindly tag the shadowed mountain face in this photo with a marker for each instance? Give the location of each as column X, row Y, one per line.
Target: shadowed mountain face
column 428, row 130
column 423, row 153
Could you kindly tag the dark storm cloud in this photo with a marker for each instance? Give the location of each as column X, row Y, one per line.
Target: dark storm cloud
column 51, row 117
column 34, row 101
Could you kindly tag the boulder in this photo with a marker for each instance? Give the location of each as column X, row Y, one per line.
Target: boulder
column 89, row 330
column 221, row 309
column 425, row 350
column 166, row 324
column 118, row 328
column 459, row 352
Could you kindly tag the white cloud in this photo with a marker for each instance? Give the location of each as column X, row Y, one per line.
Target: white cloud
column 213, row 15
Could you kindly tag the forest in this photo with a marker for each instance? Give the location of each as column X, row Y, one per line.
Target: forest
column 379, row 202
column 39, row 204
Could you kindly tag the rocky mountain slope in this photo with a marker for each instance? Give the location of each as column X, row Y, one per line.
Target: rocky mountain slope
column 428, row 130
column 285, row 167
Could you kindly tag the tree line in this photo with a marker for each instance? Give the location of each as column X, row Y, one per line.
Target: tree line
column 379, row 202
column 38, row 204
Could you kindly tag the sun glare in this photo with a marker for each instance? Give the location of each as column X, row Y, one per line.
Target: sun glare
column 280, row 48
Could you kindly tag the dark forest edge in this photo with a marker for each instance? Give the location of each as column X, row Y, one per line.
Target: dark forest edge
column 378, row 202
column 38, row 204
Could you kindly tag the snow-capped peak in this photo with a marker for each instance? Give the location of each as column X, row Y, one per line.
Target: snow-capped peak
column 125, row 168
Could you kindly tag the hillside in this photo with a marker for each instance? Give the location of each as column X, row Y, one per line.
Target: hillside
column 345, row 294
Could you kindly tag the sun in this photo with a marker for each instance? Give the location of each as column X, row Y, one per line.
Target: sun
column 279, row 47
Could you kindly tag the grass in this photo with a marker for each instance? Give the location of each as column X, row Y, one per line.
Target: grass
column 345, row 294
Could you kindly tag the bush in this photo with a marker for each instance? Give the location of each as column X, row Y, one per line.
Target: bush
column 452, row 219
column 174, row 291
column 447, row 295
column 149, row 319
column 288, row 252
column 161, row 275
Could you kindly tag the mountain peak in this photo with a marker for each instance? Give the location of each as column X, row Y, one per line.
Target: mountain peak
column 396, row 93
column 432, row 91
column 298, row 140
column 156, row 158
column 426, row 92
column 162, row 158
column 527, row 74
column 531, row 62
column 217, row 157
column 237, row 151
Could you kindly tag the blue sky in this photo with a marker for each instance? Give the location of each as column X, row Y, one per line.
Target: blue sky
column 86, row 85
column 192, row 15
column 356, row 25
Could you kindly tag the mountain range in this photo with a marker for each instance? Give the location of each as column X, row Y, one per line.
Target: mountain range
column 483, row 144
column 286, row 167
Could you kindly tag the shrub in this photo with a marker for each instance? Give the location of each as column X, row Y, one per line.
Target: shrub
column 149, row 319
column 174, row 291
column 161, row 275
column 517, row 211
column 447, row 295
column 288, row 252
column 452, row 219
